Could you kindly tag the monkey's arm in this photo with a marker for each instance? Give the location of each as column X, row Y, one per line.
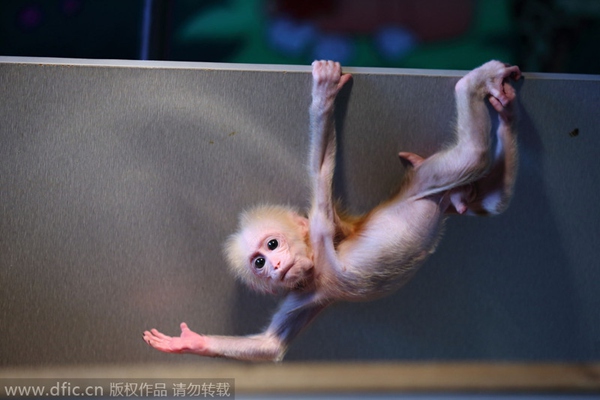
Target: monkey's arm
column 294, row 314
column 327, row 82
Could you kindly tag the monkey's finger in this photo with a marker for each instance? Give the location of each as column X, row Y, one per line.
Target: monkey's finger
column 159, row 335
column 343, row 79
column 152, row 341
column 147, row 336
column 514, row 72
column 497, row 104
column 509, row 91
column 319, row 65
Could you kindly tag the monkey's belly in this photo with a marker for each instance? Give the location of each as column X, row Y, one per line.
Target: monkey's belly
column 389, row 250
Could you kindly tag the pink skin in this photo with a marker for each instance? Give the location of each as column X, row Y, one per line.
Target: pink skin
column 289, row 263
column 286, row 265
column 187, row 342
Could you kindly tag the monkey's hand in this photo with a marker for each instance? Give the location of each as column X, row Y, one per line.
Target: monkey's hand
column 327, row 80
column 187, row 342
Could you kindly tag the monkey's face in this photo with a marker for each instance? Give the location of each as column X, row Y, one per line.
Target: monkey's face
column 270, row 251
column 282, row 259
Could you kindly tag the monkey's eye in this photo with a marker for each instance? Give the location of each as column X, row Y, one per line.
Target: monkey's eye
column 272, row 245
column 259, row 263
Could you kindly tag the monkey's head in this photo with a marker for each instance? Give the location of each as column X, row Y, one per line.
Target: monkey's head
column 270, row 251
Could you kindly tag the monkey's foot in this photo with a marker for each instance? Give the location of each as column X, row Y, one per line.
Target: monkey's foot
column 492, row 80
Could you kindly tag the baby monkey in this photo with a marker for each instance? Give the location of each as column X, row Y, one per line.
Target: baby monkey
column 329, row 256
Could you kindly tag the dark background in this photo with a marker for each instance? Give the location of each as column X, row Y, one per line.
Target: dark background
column 541, row 36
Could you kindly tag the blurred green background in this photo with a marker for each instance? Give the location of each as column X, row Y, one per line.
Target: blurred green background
column 544, row 36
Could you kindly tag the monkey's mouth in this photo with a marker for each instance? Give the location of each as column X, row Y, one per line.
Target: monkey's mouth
column 285, row 271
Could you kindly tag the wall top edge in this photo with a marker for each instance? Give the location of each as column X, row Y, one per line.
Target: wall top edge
column 265, row 67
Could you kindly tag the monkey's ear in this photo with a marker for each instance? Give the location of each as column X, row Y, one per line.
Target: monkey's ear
column 302, row 223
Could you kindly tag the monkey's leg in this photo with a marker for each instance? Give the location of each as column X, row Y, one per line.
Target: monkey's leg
column 459, row 197
column 469, row 158
column 494, row 190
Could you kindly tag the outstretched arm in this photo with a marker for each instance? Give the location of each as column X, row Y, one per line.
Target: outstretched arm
column 295, row 313
column 256, row 348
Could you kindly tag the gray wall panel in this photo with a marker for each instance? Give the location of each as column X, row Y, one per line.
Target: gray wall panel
column 118, row 185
